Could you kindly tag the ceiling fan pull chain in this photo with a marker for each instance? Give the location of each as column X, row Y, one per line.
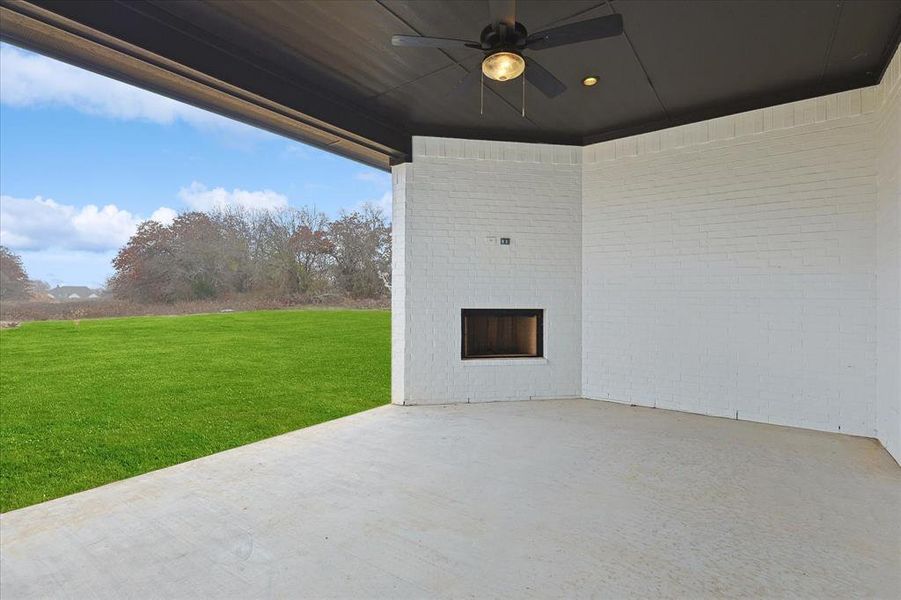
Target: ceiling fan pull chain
column 482, row 94
column 523, row 96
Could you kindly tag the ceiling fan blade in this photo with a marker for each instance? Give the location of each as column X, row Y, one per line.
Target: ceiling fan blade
column 418, row 41
column 503, row 11
column 541, row 78
column 582, row 31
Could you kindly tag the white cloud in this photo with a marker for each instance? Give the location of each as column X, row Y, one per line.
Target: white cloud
column 382, row 180
column 164, row 215
column 41, row 223
column 297, row 150
column 33, row 80
column 38, row 223
column 385, row 203
column 199, row 197
column 374, row 177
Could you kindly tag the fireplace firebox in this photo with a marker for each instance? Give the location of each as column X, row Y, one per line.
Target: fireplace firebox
column 502, row 333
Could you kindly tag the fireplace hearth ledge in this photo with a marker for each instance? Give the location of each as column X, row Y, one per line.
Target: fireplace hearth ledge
column 504, row 362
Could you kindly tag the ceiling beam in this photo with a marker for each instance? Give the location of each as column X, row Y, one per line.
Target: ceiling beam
column 34, row 28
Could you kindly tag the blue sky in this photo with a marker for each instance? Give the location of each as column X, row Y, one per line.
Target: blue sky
column 84, row 158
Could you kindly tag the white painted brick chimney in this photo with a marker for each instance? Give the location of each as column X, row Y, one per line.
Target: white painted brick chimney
column 454, row 203
column 744, row 267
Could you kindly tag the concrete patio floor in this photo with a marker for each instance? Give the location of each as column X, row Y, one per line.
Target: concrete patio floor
column 568, row 498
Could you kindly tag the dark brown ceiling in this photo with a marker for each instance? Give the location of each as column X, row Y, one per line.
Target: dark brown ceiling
column 679, row 61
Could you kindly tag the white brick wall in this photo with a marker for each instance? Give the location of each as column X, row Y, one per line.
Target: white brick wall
column 399, row 260
column 456, row 195
column 730, row 266
column 888, row 262
column 744, row 267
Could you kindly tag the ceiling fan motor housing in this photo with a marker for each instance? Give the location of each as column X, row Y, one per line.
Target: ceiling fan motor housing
column 501, row 37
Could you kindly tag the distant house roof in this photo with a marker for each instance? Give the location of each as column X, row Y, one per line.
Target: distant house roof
column 72, row 292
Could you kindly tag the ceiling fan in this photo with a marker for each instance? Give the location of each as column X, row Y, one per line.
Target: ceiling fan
column 504, row 40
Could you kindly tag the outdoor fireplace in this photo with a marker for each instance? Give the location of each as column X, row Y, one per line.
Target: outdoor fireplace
column 502, row 333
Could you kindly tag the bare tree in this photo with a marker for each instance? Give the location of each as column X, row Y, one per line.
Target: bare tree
column 312, row 249
column 272, row 263
column 14, row 283
column 143, row 265
column 362, row 251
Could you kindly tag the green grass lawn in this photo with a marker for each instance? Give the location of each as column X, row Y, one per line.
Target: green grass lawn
column 82, row 405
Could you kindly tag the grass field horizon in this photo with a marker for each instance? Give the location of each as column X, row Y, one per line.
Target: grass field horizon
column 87, row 403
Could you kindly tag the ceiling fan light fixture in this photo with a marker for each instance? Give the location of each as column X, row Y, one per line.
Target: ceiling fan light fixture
column 503, row 66
column 590, row 81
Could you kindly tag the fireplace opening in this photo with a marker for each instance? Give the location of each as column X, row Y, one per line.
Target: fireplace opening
column 502, row 333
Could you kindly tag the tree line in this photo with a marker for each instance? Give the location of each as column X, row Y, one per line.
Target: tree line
column 297, row 255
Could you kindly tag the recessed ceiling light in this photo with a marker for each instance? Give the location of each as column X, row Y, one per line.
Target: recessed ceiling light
column 590, row 81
